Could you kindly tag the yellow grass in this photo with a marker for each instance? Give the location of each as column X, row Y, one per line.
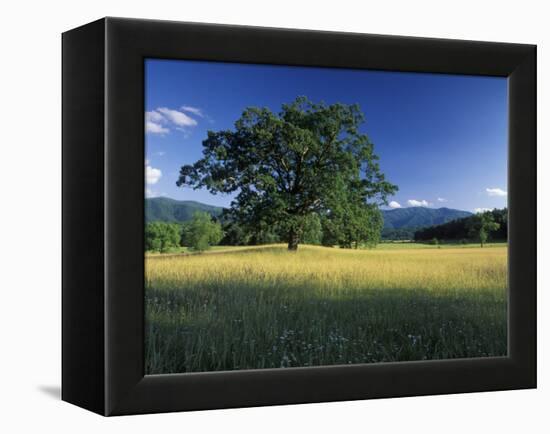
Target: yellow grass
column 267, row 307
column 336, row 269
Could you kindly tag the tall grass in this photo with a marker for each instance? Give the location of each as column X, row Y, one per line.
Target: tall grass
column 270, row 308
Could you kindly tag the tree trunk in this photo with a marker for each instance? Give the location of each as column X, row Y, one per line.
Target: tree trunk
column 292, row 241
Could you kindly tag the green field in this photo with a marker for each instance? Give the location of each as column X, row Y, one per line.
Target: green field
column 266, row 307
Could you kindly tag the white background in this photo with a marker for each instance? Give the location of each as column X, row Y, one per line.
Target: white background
column 30, row 279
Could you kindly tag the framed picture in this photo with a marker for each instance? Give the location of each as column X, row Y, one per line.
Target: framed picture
column 257, row 216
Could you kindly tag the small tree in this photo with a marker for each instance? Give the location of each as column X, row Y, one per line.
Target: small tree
column 481, row 225
column 201, row 232
column 162, row 237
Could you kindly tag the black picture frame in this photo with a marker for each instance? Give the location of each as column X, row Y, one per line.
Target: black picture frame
column 103, row 222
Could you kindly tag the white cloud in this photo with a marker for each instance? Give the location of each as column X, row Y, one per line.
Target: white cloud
column 414, row 202
column 153, row 123
column 442, row 199
column 394, row 204
column 160, row 153
column 154, row 128
column 480, row 210
column 196, row 111
column 152, row 175
column 152, row 193
column 496, row 192
column 154, row 116
column 162, row 119
column 177, row 118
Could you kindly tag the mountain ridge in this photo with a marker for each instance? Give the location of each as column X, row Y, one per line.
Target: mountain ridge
column 418, row 216
column 174, row 210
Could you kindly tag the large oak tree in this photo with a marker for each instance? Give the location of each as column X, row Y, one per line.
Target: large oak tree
column 309, row 158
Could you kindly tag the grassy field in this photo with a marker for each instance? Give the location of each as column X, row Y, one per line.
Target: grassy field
column 265, row 307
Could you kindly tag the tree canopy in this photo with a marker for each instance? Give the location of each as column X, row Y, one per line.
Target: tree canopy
column 481, row 225
column 201, row 232
column 162, row 237
column 308, row 159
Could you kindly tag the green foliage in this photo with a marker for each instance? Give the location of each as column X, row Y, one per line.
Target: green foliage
column 349, row 225
column 469, row 228
column 500, row 216
column 312, row 232
column 162, row 237
column 350, row 221
column 289, row 166
column 263, row 233
column 235, row 234
column 201, row 232
column 481, row 225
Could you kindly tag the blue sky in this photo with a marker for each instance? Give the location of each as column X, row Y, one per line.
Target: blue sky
column 441, row 138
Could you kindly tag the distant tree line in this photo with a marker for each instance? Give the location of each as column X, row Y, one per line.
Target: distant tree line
column 205, row 230
column 329, row 229
column 198, row 234
column 398, row 234
column 479, row 227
